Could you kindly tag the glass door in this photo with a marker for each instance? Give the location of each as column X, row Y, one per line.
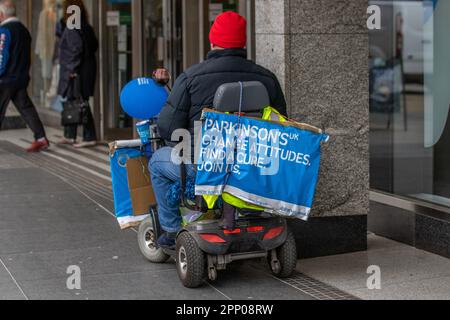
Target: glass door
column 173, row 27
column 117, row 67
column 163, row 36
column 154, row 43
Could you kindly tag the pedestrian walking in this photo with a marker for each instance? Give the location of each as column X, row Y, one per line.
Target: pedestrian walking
column 78, row 73
column 15, row 63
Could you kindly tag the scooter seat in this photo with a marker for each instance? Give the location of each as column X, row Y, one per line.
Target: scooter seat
column 253, row 213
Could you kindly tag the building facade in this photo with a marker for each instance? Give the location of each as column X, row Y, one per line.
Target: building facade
column 380, row 94
column 319, row 49
column 136, row 36
column 410, row 131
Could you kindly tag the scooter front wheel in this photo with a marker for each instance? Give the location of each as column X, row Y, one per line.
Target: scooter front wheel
column 148, row 243
column 191, row 263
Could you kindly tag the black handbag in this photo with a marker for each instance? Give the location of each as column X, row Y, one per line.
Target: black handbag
column 75, row 109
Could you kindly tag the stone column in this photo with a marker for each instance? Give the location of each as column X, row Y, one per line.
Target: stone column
column 272, row 39
column 319, row 49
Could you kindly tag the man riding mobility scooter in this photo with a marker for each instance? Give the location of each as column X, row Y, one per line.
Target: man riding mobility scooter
column 227, row 230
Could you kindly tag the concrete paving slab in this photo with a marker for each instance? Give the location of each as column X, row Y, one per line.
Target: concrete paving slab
column 47, row 225
column 58, row 238
column 399, row 264
column 247, row 282
column 378, row 243
column 20, row 219
column 4, row 275
column 8, row 288
column 59, row 200
column 30, row 180
column 25, row 217
column 129, row 286
column 10, row 161
column 116, row 258
column 426, row 289
column 9, row 291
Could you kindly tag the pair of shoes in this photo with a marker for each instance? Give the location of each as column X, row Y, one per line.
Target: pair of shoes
column 39, row 145
column 64, row 141
column 86, row 144
column 167, row 240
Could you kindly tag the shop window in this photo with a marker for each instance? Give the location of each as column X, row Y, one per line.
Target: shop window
column 410, row 99
column 216, row 7
column 45, row 28
column 45, row 77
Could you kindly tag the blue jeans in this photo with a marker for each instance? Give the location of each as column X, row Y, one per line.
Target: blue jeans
column 164, row 174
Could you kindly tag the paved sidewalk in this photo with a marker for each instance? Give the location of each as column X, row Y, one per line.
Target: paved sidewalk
column 53, row 215
column 56, row 211
column 406, row 273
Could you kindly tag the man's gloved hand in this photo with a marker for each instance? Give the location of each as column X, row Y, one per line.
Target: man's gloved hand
column 162, row 76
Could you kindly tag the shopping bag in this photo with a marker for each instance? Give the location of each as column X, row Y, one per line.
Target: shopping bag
column 133, row 193
column 75, row 109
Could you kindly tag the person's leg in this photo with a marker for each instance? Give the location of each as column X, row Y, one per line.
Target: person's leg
column 164, row 174
column 28, row 112
column 89, row 134
column 70, row 133
column 5, row 98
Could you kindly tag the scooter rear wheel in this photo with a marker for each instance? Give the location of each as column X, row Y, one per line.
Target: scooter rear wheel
column 287, row 258
column 191, row 263
column 148, row 243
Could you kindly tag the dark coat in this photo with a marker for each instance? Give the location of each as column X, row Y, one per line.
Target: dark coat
column 77, row 55
column 195, row 89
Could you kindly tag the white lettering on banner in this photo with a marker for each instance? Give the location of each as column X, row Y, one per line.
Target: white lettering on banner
column 248, row 131
column 224, row 142
column 246, row 144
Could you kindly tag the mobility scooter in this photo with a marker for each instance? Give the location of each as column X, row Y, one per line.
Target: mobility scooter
column 225, row 234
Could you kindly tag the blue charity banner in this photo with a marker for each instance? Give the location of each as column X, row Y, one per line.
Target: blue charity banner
column 269, row 164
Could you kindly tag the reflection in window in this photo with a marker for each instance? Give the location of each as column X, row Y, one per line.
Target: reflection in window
column 46, row 15
column 409, row 100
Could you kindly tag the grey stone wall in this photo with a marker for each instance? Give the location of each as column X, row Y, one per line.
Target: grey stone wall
column 272, row 39
column 319, row 49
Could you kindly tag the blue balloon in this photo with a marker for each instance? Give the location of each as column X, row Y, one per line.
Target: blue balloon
column 143, row 98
